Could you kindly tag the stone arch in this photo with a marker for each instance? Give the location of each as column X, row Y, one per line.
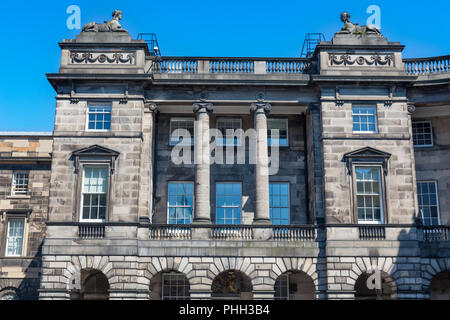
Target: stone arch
column 163, row 264
column 78, row 263
column 9, row 293
column 243, row 265
column 431, row 269
column 306, row 265
column 294, row 285
column 232, row 284
column 366, row 265
column 388, row 288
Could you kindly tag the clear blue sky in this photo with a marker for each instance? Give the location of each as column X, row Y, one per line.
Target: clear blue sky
column 31, row 32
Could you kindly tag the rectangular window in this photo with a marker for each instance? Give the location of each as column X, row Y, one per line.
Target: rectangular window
column 282, row 126
column 228, row 203
column 364, row 119
column 99, row 118
column 422, row 133
column 180, row 202
column 175, row 287
column 369, row 195
column 20, row 183
column 15, row 236
column 227, row 127
column 176, row 137
column 94, row 193
column 279, row 203
column 428, row 202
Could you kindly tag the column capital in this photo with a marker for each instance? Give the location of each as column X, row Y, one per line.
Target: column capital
column 150, row 107
column 202, row 107
column 411, row 107
column 261, row 107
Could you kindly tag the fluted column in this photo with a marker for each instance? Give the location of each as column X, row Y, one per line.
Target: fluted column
column 202, row 209
column 262, row 210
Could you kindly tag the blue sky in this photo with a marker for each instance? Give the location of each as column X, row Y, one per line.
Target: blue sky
column 31, row 33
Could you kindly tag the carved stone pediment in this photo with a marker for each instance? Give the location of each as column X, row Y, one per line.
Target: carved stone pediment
column 95, row 150
column 95, row 153
column 367, row 155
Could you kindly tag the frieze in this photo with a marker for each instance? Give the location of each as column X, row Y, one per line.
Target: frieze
column 103, row 58
column 350, row 60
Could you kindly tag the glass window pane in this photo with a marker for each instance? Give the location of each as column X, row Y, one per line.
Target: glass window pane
column 368, row 194
column 428, row 202
column 228, row 203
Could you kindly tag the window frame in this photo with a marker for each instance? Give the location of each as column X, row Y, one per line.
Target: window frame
column 431, row 134
column 437, row 199
column 164, row 274
column 81, row 199
column 11, row 216
column 97, row 104
column 217, row 206
column 287, row 131
column 193, row 200
column 373, row 106
column 13, row 183
column 221, row 143
column 170, row 131
column 289, row 200
column 383, row 205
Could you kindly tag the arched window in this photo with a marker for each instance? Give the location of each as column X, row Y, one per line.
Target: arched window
column 440, row 286
column 170, row 285
column 94, row 285
column 231, row 285
column 294, row 285
column 387, row 290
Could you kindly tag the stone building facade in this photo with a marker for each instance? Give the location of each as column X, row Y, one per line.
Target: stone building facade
column 360, row 191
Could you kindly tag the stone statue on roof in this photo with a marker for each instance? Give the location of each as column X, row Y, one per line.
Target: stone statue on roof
column 111, row 26
column 355, row 28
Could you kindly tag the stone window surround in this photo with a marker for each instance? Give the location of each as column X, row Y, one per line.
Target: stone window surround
column 368, row 157
column 5, row 215
column 83, row 158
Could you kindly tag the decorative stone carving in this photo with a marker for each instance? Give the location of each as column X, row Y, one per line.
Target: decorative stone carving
column 103, row 58
column 411, row 108
column 350, row 60
column 355, row 28
column 111, row 26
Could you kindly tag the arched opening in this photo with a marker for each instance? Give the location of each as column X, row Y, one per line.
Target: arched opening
column 9, row 294
column 440, row 286
column 169, row 285
column 386, row 289
column 294, row 285
column 231, row 285
column 93, row 286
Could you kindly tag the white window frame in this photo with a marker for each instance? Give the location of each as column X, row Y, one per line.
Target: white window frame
column 84, row 166
column 98, row 104
column 375, row 115
column 289, row 199
column 220, row 141
column 176, row 206
column 437, row 198
column 184, row 143
column 24, row 237
column 217, row 206
column 381, row 193
column 13, row 184
column 431, row 134
column 287, row 131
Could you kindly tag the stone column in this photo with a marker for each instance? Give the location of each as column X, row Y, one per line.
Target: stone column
column 262, row 211
column 202, row 209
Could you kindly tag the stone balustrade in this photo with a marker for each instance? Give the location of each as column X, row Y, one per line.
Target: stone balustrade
column 212, row 65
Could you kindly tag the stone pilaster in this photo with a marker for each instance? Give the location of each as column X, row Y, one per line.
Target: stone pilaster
column 202, row 212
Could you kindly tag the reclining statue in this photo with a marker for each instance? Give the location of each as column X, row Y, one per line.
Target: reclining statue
column 111, row 26
column 354, row 28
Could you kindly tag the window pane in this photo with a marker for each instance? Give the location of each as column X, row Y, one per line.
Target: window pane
column 368, row 194
column 99, row 117
column 175, row 287
column 94, row 192
column 364, row 119
column 281, row 126
column 228, row 203
column 422, row 133
column 180, row 202
column 14, row 241
column 279, row 203
column 20, row 183
column 428, row 202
